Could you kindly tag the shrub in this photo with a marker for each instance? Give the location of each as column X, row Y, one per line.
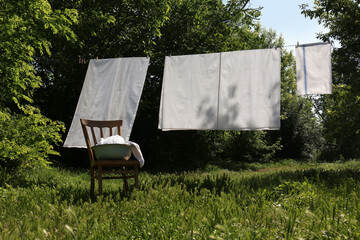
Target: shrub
column 26, row 139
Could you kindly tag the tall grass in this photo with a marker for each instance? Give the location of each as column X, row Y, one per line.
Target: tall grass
column 279, row 201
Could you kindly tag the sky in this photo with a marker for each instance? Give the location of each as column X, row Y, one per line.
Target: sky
column 284, row 16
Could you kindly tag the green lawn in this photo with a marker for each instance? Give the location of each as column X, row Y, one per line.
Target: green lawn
column 285, row 200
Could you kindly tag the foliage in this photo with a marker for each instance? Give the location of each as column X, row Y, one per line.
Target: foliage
column 23, row 33
column 26, row 135
column 300, row 129
column 156, row 28
column 300, row 134
column 302, row 201
column 340, row 111
column 222, row 28
column 26, row 140
column 160, row 28
column 105, row 29
column 247, row 146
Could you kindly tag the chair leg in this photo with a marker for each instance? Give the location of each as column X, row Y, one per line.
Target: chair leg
column 92, row 182
column 100, row 179
column 136, row 177
column 126, row 185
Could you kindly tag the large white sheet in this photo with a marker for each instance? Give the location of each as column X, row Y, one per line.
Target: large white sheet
column 111, row 91
column 189, row 97
column 313, row 69
column 250, row 90
column 226, row 91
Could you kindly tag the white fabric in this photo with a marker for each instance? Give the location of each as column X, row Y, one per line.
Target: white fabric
column 189, row 96
column 116, row 139
column 313, row 69
column 226, row 91
column 111, row 91
column 135, row 148
column 250, row 90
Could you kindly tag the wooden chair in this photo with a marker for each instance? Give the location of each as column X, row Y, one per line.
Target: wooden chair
column 121, row 168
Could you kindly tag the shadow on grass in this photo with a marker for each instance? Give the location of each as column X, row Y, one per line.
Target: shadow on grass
column 71, row 186
column 329, row 178
column 75, row 187
column 225, row 182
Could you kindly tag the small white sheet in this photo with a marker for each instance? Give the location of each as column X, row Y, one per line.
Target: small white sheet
column 313, row 69
column 226, row 91
column 111, row 91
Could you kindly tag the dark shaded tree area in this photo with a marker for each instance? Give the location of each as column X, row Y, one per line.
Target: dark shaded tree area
column 157, row 29
column 87, row 29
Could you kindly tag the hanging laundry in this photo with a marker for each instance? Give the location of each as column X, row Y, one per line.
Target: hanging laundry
column 250, row 90
column 226, row 91
column 313, row 69
column 189, row 97
column 111, row 91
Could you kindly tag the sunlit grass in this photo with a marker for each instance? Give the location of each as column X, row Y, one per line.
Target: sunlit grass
column 283, row 200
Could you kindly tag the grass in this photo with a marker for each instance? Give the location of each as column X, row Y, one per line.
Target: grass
column 283, row 200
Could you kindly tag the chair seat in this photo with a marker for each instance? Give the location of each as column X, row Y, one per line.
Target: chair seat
column 115, row 163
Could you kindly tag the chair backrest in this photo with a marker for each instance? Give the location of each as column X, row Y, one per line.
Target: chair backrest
column 99, row 128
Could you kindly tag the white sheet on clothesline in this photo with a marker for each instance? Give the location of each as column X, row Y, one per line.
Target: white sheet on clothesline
column 313, row 69
column 250, row 90
column 189, row 97
column 111, row 91
column 227, row 91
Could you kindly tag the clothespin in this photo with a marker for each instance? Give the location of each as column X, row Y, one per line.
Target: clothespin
column 97, row 58
column 297, row 45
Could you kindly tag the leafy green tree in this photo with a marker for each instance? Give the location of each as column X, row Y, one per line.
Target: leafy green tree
column 26, row 135
column 340, row 111
column 105, row 29
column 138, row 28
column 159, row 28
column 196, row 27
column 300, row 134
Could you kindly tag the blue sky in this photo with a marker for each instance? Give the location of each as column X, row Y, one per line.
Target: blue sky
column 285, row 17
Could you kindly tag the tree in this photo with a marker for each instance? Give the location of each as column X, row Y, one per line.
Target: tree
column 159, row 28
column 340, row 111
column 138, row 28
column 26, row 135
column 300, row 134
column 196, row 27
column 105, row 29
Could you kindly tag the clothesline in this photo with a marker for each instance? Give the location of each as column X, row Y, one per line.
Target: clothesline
column 238, row 90
column 308, row 44
column 294, row 45
column 228, row 90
